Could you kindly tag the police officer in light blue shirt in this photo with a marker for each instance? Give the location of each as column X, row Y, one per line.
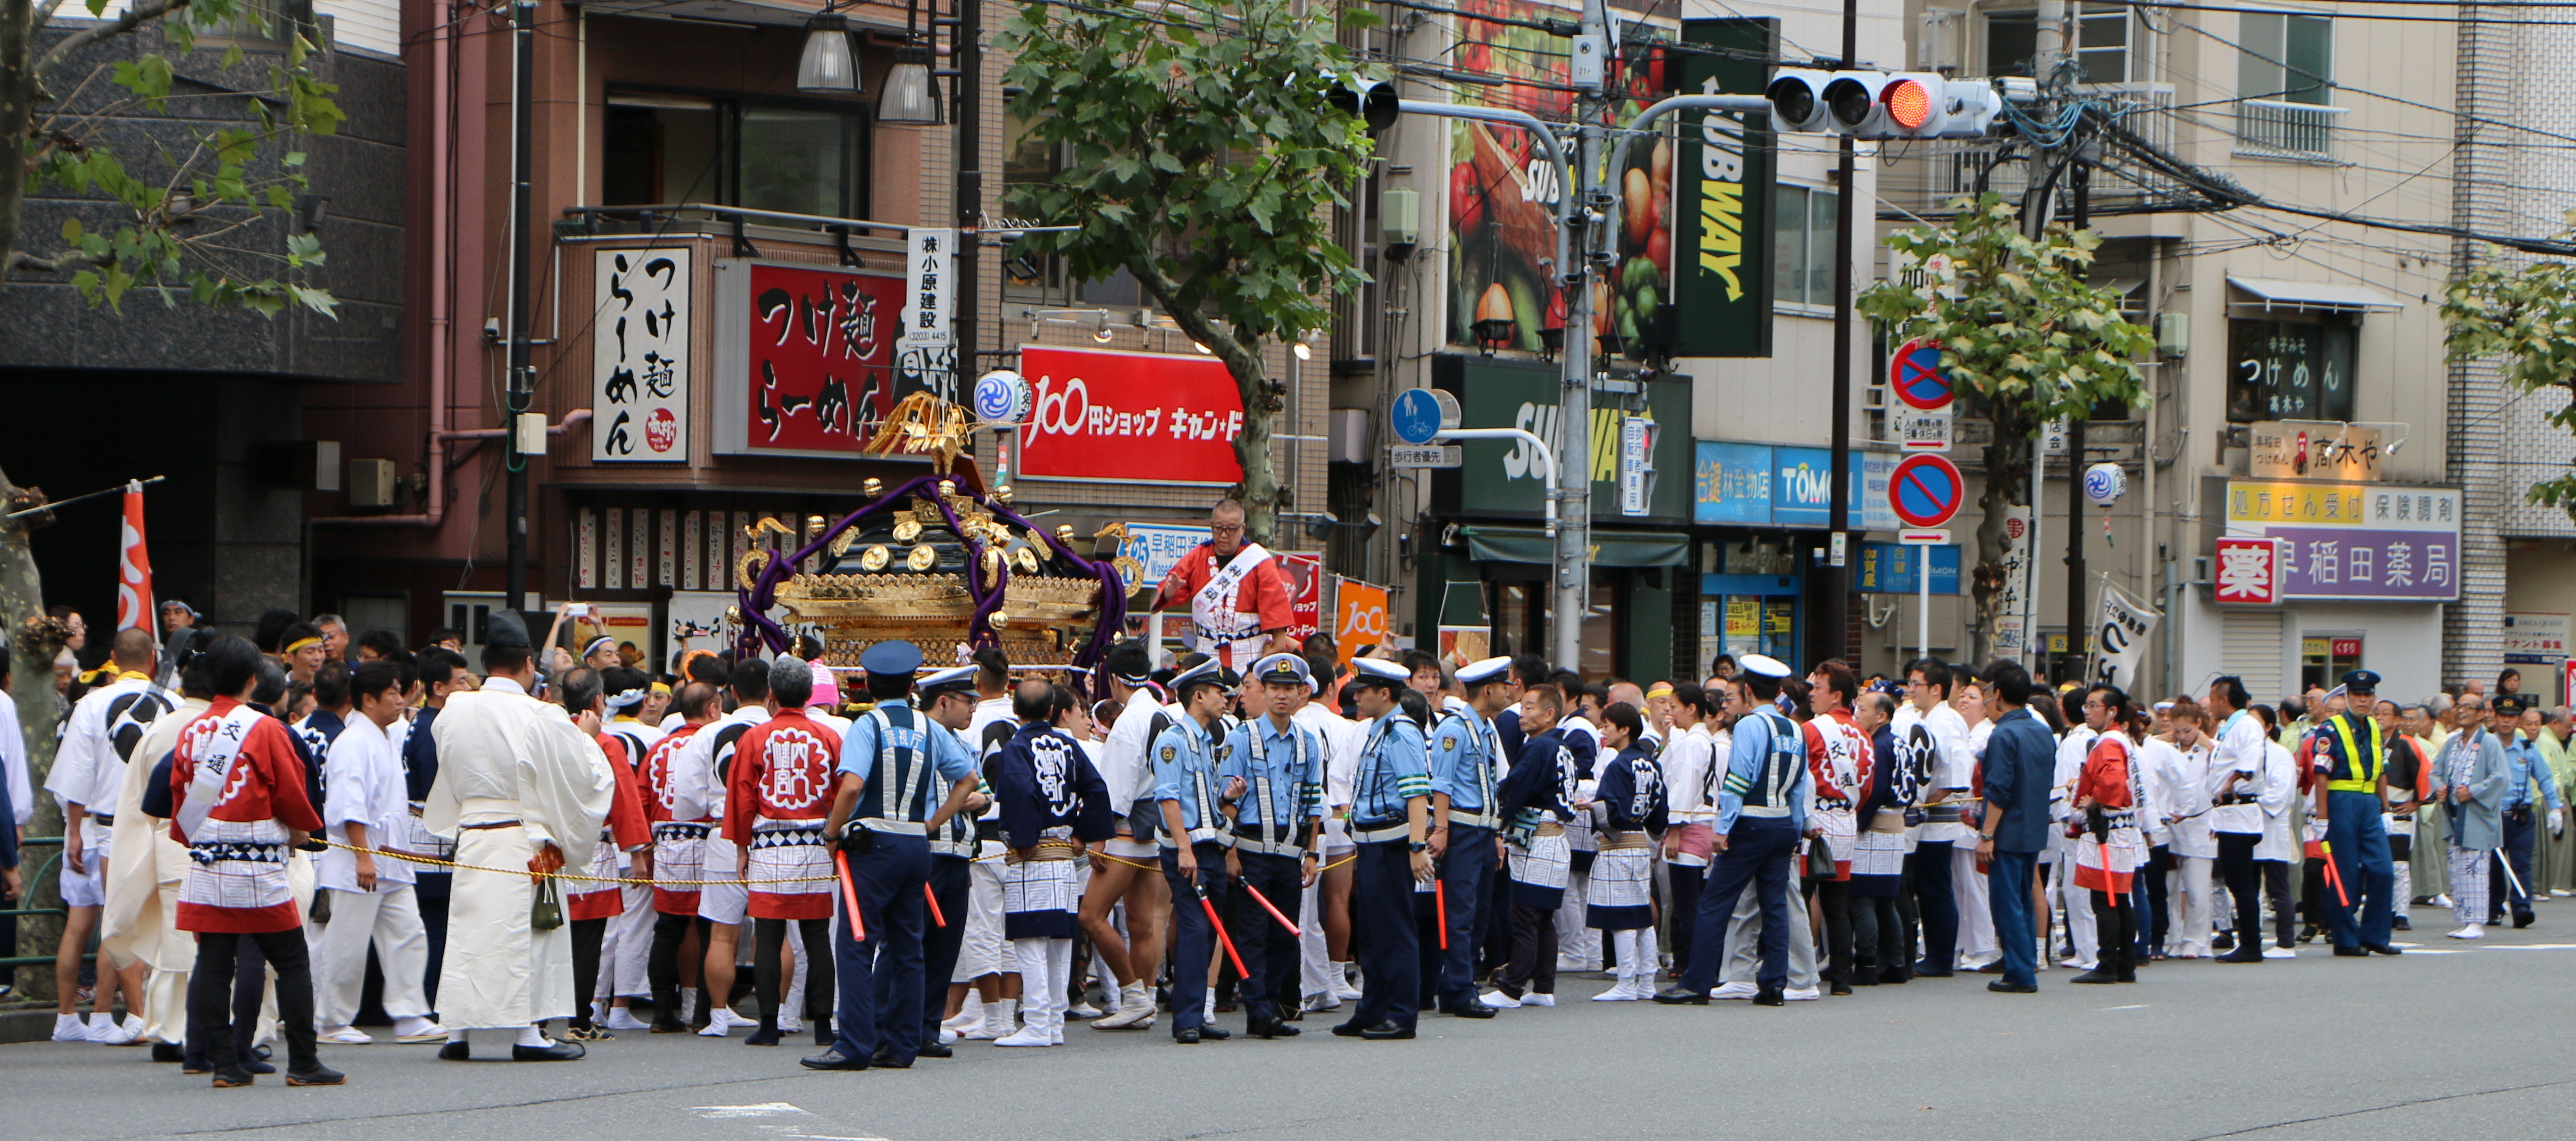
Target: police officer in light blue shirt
column 1761, row 817
column 1465, row 753
column 2523, row 767
column 1275, row 769
column 893, row 763
column 1391, row 823
column 1188, row 794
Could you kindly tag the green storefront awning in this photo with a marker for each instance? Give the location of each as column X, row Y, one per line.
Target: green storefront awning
column 1609, row 548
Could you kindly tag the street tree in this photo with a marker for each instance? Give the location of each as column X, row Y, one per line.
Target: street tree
column 2025, row 341
column 2525, row 318
column 182, row 218
column 1205, row 160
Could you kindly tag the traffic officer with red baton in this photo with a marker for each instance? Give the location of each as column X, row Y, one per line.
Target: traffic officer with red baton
column 2352, row 762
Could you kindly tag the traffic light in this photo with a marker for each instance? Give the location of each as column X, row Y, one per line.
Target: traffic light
column 1882, row 105
column 1372, row 101
column 1798, row 100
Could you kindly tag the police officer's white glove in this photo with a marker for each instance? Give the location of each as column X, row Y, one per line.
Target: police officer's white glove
column 2557, row 823
column 2316, row 831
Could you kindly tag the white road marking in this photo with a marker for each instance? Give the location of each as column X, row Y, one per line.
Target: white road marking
column 762, row 1109
column 2132, row 1006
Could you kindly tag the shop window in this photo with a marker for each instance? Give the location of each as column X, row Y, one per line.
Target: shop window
column 1802, row 246
column 2325, row 658
column 2289, row 370
column 1601, row 622
column 796, row 158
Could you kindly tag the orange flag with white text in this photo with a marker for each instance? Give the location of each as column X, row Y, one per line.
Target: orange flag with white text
column 133, row 566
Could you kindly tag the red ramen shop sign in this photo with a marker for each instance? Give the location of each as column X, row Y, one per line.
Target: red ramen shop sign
column 804, row 357
column 1130, row 417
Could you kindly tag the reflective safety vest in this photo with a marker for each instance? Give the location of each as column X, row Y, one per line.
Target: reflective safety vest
column 2364, row 768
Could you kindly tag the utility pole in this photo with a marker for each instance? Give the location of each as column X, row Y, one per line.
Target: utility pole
column 2077, row 625
column 1831, row 623
column 1574, row 406
column 967, row 48
column 519, row 387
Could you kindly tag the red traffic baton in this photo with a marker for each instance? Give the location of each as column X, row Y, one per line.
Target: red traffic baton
column 1221, row 936
column 2334, row 875
column 1264, row 901
column 850, row 899
column 933, row 897
column 1440, row 908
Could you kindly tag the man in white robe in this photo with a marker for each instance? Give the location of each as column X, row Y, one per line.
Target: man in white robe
column 519, row 786
column 141, row 922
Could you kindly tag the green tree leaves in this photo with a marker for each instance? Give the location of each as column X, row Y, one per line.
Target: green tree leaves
column 199, row 223
column 1205, row 162
column 2527, row 317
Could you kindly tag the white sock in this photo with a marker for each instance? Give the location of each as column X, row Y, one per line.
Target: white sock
column 531, row 1035
column 455, row 1035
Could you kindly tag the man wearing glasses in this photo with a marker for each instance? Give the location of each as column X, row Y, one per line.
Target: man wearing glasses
column 1237, row 593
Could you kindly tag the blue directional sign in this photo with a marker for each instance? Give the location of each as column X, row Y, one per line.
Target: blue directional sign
column 1419, row 414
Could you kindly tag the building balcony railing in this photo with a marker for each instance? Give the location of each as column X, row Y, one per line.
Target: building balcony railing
column 2297, row 132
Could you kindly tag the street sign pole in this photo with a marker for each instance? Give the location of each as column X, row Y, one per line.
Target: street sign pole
column 1923, row 604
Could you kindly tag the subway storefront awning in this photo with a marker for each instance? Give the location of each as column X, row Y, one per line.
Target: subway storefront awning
column 1609, row 548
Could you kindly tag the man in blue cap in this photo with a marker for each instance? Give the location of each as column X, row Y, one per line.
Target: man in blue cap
column 1391, row 821
column 1187, row 793
column 892, row 761
column 1273, row 769
column 2352, row 760
column 1466, row 752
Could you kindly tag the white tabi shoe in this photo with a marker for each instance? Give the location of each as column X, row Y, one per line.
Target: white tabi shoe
column 720, row 1023
column 1802, row 994
column 104, row 1030
column 1493, row 998
column 1534, row 998
column 1032, row 1033
column 1342, row 988
column 623, row 1018
column 1623, row 991
column 2472, row 931
column 1001, row 1020
column 349, row 1036
column 70, row 1028
column 1135, row 1010
column 2279, row 953
column 969, row 1015
column 1733, row 990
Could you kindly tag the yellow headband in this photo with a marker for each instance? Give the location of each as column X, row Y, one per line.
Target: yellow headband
column 662, row 687
column 299, row 644
column 1660, row 690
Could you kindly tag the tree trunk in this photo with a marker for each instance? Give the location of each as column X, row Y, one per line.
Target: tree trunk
column 32, row 644
column 17, row 110
column 2007, row 460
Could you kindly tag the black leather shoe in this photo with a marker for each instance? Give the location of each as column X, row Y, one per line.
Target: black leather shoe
column 1925, row 971
column 765, row 1036
column 934, row 1049
column 1472, row 1008
column 169, row 1052
column 319, row 1075
column 2351, row 953
column 559, row 1052
column 1894, row 976
column 1214, row 1033
column 2400, row 923
column 456, row 1052
column 1347, row 1029
column 885, row 1060
column 1186, row 1035
column 1769, row 996
column 1840, row 990
column 2382, row 949
column 1677, row 996
column 2242, row 955
column 2523, row 920
column 1270, row 1028
column 1386, row 1032
column 2096, row 975
column 2000, row 986
column 2223, row 941
column 833, row 1060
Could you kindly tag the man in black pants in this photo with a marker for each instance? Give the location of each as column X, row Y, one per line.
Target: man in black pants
column 679, row 855
column 949, row 698
column 239, row 801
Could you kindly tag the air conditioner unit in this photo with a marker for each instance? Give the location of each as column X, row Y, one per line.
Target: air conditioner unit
column 2200, row 570
column 1347, row 433
column 372, row 483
